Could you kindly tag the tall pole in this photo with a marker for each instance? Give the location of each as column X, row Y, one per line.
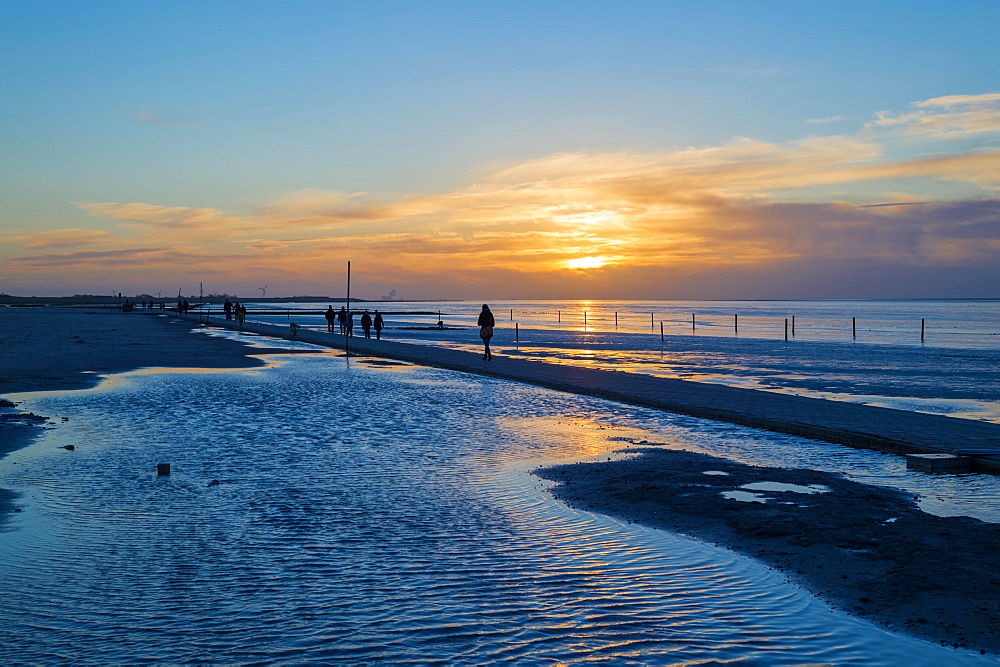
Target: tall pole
column 347, row 338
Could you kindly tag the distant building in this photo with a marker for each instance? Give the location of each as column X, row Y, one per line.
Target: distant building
column 391, row 296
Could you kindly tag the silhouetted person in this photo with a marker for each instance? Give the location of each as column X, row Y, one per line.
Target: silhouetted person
column 350, row 323
column 228, row 307
column 241, row 314
column 187, row 306
column 366, row 324
column 331, row 317
column 486, row 324
column 379, row 325
column 180, row 306
column 342, row 319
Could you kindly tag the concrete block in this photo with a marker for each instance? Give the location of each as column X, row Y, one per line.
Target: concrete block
column 937, row 462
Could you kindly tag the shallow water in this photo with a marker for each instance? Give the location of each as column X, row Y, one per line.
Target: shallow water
column 387, row 514
column 955, row 371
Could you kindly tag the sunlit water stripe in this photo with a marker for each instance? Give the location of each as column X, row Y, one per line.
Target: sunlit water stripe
column 372, row 514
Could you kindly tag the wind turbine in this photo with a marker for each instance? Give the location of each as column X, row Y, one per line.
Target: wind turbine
column 263, row 290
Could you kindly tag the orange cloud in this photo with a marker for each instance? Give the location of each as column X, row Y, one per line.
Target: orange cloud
column 732, row 207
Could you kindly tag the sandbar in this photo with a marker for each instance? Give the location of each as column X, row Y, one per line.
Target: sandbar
column 865, row 549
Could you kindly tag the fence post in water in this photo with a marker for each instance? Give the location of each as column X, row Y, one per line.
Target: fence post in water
column 736, row 323
column 616, row 319
column 517, row 335
column 661, row 332
column 854, row 327
column 559, row 316
column 584, row 318
column 511, row 314
column 651, row 325
column 786, row 328
column 921, row 330
column 793, row 325
column 692, row 321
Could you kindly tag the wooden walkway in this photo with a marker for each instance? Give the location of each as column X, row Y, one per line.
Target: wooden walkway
column 851, row 424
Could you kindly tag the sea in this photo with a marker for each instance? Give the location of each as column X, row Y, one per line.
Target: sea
column 331, row 509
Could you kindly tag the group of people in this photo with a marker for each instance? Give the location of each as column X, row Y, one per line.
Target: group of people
column 345, row 319
column 237, row 310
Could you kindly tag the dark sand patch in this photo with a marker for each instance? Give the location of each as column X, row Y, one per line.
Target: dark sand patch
column 865, row 549
column 63, row 348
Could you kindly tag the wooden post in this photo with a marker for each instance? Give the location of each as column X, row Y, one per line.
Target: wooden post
column 511, row 314
column 661, row 332
column 559, row 315
column 347, row 339
column 793, row 326
column 651, row 325
column 517, row 335
column 692, row 321
column 786, row 328
column 921, row 330
column 162, row 469
column 584, row 319
column 616, row 319
column 854, row 327
column 736, row 323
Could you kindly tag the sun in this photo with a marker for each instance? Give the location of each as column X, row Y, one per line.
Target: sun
column 586, row 262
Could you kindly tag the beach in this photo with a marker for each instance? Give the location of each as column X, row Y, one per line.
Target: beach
column 866, row 550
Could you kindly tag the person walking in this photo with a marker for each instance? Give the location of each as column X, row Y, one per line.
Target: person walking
column 342, row 319
column 366, row 324
column 331, row 317
column 486, row 324
column 350, row 324
column 241, row 314
column 228, row 307
column 379, row 325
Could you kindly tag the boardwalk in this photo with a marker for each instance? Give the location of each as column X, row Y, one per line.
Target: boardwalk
column 851, row 424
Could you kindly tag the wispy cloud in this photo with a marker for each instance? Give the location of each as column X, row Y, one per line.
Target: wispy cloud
column 724, row 209
column 59, row 238
column 825, row 119
column 945, row 117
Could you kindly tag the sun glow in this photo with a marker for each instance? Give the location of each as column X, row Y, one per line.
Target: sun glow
column 586, row 262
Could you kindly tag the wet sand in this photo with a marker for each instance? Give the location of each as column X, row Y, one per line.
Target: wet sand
column 927, row 576
column 865, row 549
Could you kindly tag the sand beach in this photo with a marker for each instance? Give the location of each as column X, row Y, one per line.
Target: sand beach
column 867, row 550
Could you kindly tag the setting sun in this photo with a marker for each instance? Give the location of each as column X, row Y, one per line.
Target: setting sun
column 586, row 262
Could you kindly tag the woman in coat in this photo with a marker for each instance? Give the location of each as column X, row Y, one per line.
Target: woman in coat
column 486, row 324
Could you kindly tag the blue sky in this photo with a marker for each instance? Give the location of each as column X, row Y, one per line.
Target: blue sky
column 243, row 107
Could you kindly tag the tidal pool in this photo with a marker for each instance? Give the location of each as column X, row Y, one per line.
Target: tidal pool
column 375, row 514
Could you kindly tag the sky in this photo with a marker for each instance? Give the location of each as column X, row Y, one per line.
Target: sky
column 517, row 150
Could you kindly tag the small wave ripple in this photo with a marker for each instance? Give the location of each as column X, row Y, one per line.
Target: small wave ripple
column 366, row 515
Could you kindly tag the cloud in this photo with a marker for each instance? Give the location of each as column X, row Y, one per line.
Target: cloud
column 60, row 238
column 826, row 119
column 147, row 116
column 727, row 210
column 945, row 117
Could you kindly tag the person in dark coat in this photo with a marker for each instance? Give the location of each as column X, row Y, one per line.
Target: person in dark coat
column 379, row 325
column 342, row 320
column 228, row 307
column 486, row 324
column 331, row 317
column 366, row 324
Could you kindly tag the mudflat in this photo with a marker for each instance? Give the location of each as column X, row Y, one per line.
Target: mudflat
column 865, row 549
column 46, row 348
